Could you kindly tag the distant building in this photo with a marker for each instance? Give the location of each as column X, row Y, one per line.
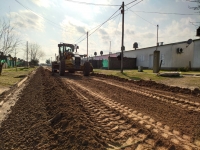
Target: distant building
column 174, row 55
column 104, row 56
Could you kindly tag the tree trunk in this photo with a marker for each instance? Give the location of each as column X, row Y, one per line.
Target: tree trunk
column 1, row 66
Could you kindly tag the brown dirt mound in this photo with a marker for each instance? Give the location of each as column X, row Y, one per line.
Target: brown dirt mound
column 153, row 84
column 48, row 116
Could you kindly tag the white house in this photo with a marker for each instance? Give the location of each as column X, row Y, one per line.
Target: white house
column 173, row 55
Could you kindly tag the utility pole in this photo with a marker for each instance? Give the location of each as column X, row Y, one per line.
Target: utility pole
column 157, row 39
column 122, row 47
column 109, row 57
column 87, row 46
column 110, row 48
column 27, row 53
column 31, row 54
column 15, row 60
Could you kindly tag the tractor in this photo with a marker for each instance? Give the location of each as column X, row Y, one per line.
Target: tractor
column 70, row 60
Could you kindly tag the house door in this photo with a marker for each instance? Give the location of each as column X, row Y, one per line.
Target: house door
column 151, row 61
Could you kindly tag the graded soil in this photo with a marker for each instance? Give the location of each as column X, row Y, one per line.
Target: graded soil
column 100, row 112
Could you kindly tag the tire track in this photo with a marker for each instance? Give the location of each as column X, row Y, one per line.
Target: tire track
column 117, row 131
column 181, row 102
column 148, row 124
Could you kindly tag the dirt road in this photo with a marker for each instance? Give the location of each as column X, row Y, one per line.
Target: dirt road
column 77, row 112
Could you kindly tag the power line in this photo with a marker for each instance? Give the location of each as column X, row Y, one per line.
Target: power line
column 130, row 2
column 118, row 23
column 143, row 18
column 194, row 24
column 173, row 13
column 81, row 37
column 98, row 27
column 98, row 4
column 95, row 28
column 91, row 3
column 117, row 27
column 133, row 5
column 111, row 17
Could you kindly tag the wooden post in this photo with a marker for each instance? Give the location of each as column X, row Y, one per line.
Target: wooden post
column 87, row 46
column 122, row 48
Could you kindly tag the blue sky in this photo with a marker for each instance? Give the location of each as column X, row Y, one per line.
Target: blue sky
column 65, row 21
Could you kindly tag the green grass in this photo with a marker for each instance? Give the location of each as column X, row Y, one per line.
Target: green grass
column 131, row 74
column 11, row 76
column 182, row 81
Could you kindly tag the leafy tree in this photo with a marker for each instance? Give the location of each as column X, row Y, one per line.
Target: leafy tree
column 48, row 61
column 34, row 62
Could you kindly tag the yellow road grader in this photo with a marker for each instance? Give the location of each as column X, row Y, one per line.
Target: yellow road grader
column 70, row 60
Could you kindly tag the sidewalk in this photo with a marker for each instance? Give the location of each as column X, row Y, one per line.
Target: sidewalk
column 3, row 89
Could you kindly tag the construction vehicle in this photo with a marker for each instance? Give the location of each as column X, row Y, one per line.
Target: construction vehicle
column 70, row 60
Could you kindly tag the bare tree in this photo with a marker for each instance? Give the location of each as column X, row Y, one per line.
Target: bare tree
column 197, row 7
column 8, row 38
column 35, row 52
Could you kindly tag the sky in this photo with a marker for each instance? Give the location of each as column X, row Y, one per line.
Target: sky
column 49, row 22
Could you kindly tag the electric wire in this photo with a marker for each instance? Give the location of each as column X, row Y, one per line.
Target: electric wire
column 173, row 13
column 117, row 28
column 133, row 5
column 97, row 4
column 111, row 18
column 118, row 23
column 194, row 24
column 143, row 18
column 130, row 2
column 91, row 3
column 81, row 37
column 97, row 27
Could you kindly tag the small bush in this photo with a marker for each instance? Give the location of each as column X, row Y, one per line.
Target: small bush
column 184, row 69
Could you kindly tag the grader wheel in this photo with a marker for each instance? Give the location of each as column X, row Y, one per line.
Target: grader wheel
column 71, row 71
column 62, row 68
column 86, row 69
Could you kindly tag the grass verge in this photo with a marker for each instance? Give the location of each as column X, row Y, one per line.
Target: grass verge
column 182, row 81
column 11, row 76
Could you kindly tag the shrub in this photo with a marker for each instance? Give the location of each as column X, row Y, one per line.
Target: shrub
column 184, row 69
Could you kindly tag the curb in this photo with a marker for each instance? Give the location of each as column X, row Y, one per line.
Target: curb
column 18, row 85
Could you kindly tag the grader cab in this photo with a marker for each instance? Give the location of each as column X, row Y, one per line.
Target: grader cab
column 70, row 60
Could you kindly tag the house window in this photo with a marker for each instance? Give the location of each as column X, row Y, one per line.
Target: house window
column 142, row 58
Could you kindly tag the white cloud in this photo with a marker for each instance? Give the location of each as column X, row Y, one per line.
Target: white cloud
column 25, row 19
column 72, row 29
column 181, row 0
column 178, row 30
column 43, row 3
column 160, row 19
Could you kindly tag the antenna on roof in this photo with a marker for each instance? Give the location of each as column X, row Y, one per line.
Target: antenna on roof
column 189, row 42
column 135, row 45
